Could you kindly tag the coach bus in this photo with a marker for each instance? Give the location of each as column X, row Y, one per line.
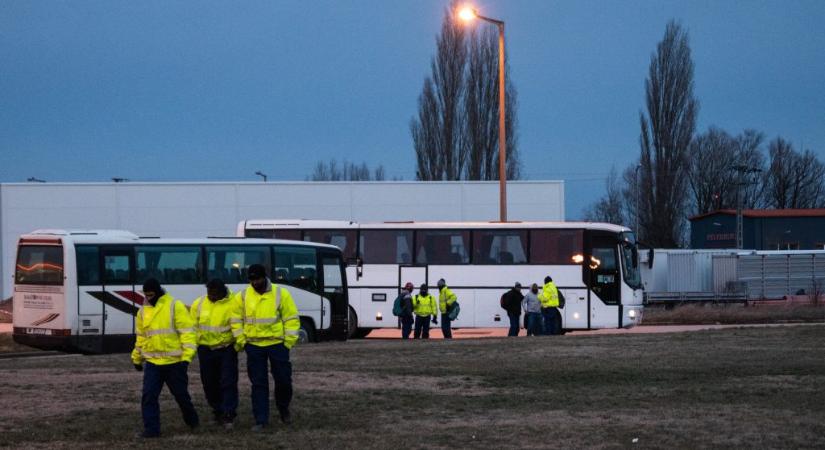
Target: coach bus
column 81, row 290
column 595, row 266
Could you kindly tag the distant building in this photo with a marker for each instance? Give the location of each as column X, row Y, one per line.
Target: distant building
column 763, row 229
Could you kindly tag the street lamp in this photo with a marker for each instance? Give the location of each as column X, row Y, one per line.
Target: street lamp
column 467, row 14
column 261, row 174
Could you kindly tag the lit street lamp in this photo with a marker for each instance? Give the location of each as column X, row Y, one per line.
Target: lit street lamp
column 467, row 14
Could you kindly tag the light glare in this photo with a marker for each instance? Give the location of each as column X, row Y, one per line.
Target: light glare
column 467, row 14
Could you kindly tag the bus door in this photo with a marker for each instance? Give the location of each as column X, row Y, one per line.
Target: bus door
column 334, row 305
column 602, row 277
column 118, row 297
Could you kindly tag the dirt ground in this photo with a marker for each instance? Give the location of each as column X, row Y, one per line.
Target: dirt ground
column 734, row 313
column 731, row 388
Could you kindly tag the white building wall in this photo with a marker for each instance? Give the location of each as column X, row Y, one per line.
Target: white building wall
column 214, row 209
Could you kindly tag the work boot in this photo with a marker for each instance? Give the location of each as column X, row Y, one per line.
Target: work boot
column 228, row 426
column 258, row 428
column 145, row 435
column 286, row 417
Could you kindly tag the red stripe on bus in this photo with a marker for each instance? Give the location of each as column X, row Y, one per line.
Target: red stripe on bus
column 131, row 295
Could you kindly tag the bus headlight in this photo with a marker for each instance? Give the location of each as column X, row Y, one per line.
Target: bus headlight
column 576, row 316
column 631, row 314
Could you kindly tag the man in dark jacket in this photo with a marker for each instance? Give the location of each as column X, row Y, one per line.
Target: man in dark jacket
column 511, row 302
column 406, row 316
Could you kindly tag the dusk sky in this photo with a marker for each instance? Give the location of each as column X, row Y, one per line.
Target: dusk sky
column 216, row 90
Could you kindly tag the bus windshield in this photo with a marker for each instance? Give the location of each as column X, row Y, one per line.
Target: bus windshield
column 39, row 264
column 630, row 261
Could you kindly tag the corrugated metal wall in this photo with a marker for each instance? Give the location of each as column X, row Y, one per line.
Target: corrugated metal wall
column 775, row 275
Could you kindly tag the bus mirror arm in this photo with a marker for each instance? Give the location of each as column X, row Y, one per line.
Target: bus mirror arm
column 650, row 254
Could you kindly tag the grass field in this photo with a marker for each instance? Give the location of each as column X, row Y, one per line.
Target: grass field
column 733, row 313
column 730, row 388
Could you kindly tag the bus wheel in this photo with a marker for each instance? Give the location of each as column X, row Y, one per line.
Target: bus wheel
column 306, row 333
column 352, row 323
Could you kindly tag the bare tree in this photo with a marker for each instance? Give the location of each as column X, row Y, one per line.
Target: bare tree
column 347, row 171
column 749, row 154
column 455, row 135
column 709, row 171
column 794, row 180
column 609, row 208
column 666, row 133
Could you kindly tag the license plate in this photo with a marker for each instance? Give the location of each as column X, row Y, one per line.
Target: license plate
column 38, row 331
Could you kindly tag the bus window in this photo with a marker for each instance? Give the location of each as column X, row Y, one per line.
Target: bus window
column 293, row 235
column 499, row 247
column 296, row 266
column 333, row 276
column 169, row 265
column 343, row 239
column 386, row 246
column 88, row 265
column 442, row 247
column 230, row 263
column 116, row 269
column 555, row 246
column 39, row 264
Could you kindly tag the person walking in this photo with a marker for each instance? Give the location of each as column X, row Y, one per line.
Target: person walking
column 511, row 302
column 549, row 307
column 266, row 326
column 532, row 311
column 406, row 316
column 446, row 299
column 217, row 356
column 424, row 308
column 164, row 347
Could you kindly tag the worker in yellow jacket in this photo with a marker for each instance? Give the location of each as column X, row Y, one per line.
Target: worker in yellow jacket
column 266, row 326
column 217, row 357
column 549, row 298
column 446, row 300
column 424, row 308
column 164, row 347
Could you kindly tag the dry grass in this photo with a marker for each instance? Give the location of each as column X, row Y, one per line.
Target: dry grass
column 729, row 388
column 6, row 310
column 732, row 313
column 7, row 345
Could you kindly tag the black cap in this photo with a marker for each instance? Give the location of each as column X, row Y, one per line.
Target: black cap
column 152, row 285
column 548, row 279
column 256, row 271
column 518, row 285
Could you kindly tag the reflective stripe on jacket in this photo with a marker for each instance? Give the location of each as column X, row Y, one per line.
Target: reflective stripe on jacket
column 445, row 298
column 265, row 319
column 212, row 321
column 424, row 305
column 165, row 333
column 549, row 295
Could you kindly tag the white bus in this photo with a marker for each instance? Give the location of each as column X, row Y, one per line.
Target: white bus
column 595, row 265
column 80, row 290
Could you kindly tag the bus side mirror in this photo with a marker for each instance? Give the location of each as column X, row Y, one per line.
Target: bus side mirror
column 650, row 258
column 359, row 268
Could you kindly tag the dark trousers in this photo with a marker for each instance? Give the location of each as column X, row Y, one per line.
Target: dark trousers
column 552, row 321
column 256, row 365
column 534, row 324
column 422, row 327
column 514, row 323
column 445, row 326
column 219, row 375
column 406, row 326
column 176, row 379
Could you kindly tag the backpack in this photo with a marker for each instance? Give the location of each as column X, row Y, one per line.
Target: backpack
column 396, row 306
column 561, row 299
column 454, row 310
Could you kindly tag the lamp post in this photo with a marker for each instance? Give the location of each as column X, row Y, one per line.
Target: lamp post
column 467, row 14
column 261, row 174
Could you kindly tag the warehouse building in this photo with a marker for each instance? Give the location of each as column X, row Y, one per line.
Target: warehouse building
column 762, row 229
column 214, row 209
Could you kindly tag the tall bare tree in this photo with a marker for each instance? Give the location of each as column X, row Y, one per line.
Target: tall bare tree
column 666, row 133
column 794, row 180
column 609, row 208
column 455, row 134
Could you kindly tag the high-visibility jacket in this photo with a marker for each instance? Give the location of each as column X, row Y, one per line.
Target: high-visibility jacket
column 549, row 295
column 165, row 333
column 445, row 298
column 265, row 319
column 212, row 321
column 424, row 305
